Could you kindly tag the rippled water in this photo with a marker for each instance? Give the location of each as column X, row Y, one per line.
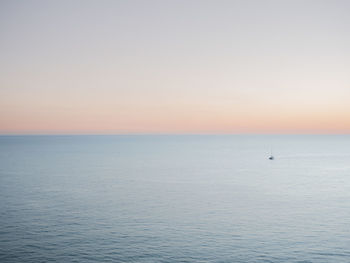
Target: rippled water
column 174, row 199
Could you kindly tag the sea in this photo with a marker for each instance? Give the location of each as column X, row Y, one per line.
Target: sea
column 175, row 198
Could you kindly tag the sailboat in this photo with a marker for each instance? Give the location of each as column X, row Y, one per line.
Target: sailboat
column 271, row 156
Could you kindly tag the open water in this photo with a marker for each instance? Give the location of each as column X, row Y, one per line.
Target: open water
column 186, row 198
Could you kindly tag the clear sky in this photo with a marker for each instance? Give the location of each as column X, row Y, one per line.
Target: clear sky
column 180, row 66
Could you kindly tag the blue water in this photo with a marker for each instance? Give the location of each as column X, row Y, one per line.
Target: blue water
column 175, row 198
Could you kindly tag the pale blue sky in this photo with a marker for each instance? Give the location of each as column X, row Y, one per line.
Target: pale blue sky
column 175, row 66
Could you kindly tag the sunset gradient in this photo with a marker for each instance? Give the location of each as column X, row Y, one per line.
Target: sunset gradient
column 120, row 67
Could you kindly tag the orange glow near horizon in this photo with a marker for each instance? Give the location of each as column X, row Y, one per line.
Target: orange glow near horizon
column 167, row 123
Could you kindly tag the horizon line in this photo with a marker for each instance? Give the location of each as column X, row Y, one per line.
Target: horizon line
column 161, row 134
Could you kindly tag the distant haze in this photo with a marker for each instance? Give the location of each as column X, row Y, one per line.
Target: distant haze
column 175, row 66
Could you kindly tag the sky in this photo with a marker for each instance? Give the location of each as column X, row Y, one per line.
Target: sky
column 180, row 66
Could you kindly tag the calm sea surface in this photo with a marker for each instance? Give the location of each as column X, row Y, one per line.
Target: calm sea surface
column 175, row 198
